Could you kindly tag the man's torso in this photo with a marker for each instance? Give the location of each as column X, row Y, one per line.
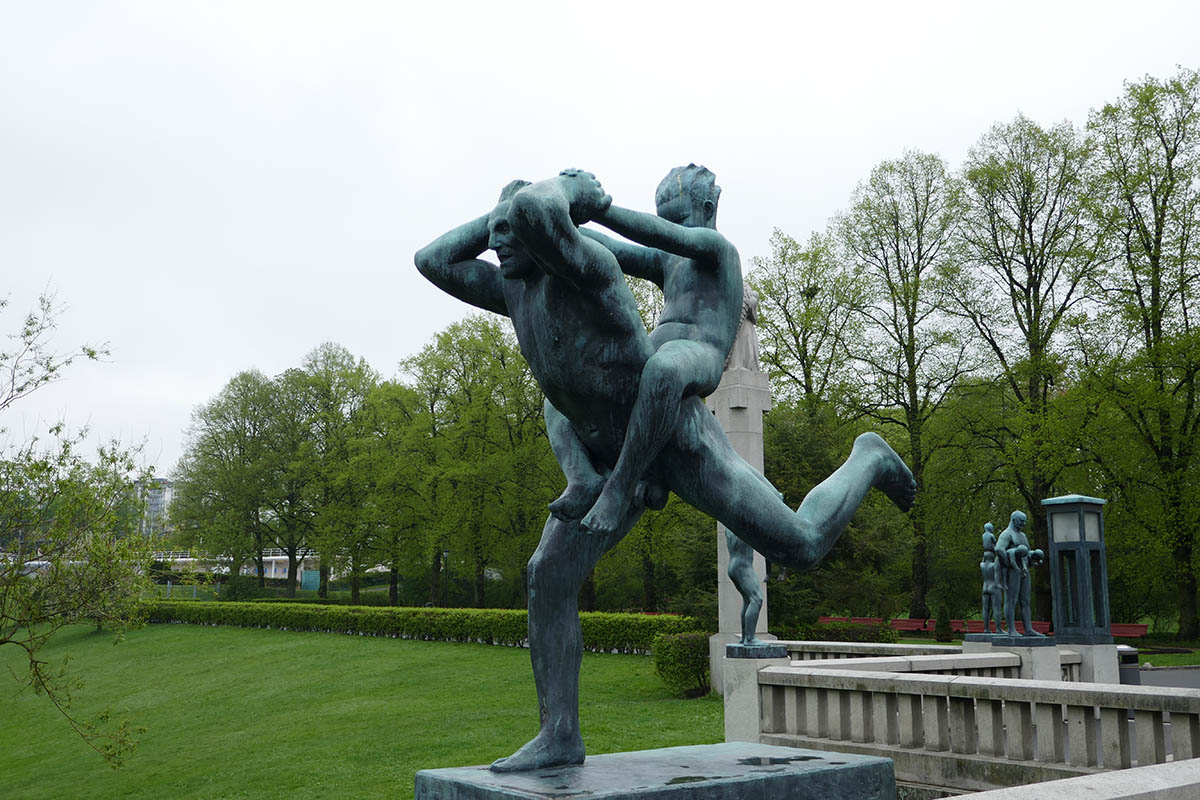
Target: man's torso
column 586, row 349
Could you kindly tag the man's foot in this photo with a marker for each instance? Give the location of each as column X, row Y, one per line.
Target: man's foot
column 893, row 478
column 576, row 499
column 542, row 751
column 607, row 512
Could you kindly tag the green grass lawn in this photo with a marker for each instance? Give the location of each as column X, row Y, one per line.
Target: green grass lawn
column 234, row 712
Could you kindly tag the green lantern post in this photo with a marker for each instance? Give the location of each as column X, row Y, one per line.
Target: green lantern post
column 1079, row 570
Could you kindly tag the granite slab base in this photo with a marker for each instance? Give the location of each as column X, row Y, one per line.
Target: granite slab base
column 727, row 771
column 1005, row 640
column 761, row 650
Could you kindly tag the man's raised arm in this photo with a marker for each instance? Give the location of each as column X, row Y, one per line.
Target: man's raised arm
column 450, row 263
column 705, row 245
column 545, row 216
column 635, row 260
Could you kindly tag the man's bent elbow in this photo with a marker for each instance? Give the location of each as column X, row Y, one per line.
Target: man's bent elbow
column 427, row 261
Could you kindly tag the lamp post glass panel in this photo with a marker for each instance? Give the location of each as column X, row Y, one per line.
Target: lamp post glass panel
column 1079, row 569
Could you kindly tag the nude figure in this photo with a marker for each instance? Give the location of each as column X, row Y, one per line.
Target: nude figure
column 707, row 311
column 993, row 586
column 578, row 327
column 1013, row 550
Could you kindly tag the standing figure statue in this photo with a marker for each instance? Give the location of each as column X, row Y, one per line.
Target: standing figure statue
column 744, row 355
column 1016, row 557
column 578, row 327
column 993, row 587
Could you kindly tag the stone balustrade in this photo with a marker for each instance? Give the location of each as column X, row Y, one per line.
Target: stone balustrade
column 972, row 732
column 985, row 665
column 1178, row 780
column 807, row 651
column 1070, row 661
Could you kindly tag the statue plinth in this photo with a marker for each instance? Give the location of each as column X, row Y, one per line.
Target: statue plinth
column 739, row 403
column 760, row 650
column 727, row 771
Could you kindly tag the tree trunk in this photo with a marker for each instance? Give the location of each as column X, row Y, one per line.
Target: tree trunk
column 355, row 581
column 918, row 607
column 394, row 585
column 1182, row 545
column 293, row 563
column 323, row 589
column 479, row 583
column 1038, row 534
column 435, row 578
column 649, row 590
column 587, row 594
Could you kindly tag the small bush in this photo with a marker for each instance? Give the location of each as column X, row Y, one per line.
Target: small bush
column 681, row 660
column 839, row 632
column 942, row 631
column 240, row 587
column 602, row 632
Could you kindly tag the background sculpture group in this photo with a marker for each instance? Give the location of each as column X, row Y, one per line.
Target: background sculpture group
column 1006, row 579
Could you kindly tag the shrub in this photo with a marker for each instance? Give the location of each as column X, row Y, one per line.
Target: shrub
column 240, row 587
column 941, row 628
column 602, row 632
column 839, row 632
column 681, row 660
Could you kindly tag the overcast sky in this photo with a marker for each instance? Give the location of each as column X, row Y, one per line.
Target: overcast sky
column 211, row 187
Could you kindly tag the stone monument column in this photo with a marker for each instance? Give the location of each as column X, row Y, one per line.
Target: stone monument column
column 739, row 403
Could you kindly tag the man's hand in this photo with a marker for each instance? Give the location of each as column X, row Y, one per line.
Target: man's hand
column 585, row 195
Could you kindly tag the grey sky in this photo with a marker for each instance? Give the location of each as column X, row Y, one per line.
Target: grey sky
column 216, row 186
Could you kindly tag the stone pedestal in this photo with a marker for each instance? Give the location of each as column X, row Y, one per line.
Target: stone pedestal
column 1039, row 656
column 739, row 403
column 1099, row 662
column 729, row 771
column 742, row 697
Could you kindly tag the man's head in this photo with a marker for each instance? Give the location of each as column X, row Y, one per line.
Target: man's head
column 989, row 555
column 1017, row 520
column 987, row 527
column 515, row 261
column 688, row 196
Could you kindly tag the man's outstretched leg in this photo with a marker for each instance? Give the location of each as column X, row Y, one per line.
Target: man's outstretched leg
column 557, row 570
column 706, row 472
column 679, row 367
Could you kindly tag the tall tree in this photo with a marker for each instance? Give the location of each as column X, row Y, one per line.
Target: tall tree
column 219, row 493
column 334, row 389
column 386, row 460
column 1030, row 243
column 806, row 317
column 899, row 233
column 1149, row 147
column 290, row 465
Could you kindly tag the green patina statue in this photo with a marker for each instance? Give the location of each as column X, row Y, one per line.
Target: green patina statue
column 578, row 327
column 1016, row 557
column 993, row 585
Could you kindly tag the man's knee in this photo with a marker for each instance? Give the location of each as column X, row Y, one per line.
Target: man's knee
column 664, row 375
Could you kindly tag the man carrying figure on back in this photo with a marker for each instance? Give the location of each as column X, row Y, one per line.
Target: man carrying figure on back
column 578, row 327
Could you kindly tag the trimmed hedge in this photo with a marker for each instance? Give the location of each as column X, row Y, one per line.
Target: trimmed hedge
column 602, row 632
column 681, row 660
column 839, row 632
